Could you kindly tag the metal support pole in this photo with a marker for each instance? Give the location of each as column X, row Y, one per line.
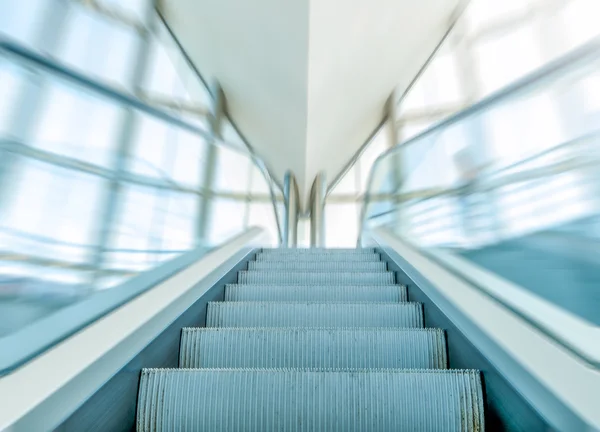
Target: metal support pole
column 291, row 198
column 317, row 211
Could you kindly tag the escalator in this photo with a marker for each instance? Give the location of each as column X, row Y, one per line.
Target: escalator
column 312, row 339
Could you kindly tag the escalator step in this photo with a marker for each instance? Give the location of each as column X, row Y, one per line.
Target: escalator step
column 316, row 293
column 305, row 348
column 367, row 266
column 340, row 257
column 267, row 314
column 274, row 400
column 315, row 278
column 310, row 251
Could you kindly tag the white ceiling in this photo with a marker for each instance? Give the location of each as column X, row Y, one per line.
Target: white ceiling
column 307, row 80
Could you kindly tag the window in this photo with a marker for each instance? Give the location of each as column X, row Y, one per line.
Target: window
column 54, row 203
column 232, row 171
column 341, row 224
column 21, row 20
column 99, row 47
column 262, row 215
column 507, row 57
column 226, row 219
column 11, row 85
column 135, row 8
column 580, row 21
column 152, row 148
column 485, row 13
column 77, row 124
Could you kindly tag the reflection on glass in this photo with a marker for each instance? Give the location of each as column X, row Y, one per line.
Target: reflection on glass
column 512, row 186
column 92, row 192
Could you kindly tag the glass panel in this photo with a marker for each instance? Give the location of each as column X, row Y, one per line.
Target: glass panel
column 21, row 20
column 152, row 153
column 170, row 76
column 163, row 78
column 10, row 87
column 179, row 222
column 261, row 214
column 379, row 144
column 580, row 22
column 348, row 183
column 258, row 182
column 232, row 171
column 77, row 125
column 341, row 225
column 93, row 193
column 483, row 13
column 132, row 232
column 45, row 207
column 99, row 46
column 189, row 162
column 506, row 57
column 512, row 187
column 231, row 136
column 134, row 8
column 226, row 219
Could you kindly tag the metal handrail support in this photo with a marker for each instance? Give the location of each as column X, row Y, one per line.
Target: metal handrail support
column 292, row 210
column 318, row 192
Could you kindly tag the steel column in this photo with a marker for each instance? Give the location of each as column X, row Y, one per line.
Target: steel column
column 292, row 210
column 318, row 192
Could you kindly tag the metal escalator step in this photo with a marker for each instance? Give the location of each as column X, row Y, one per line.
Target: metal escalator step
column 315, row 278
column 317, row 293
column 271, row 314
column 368, row 266
column 345, row 257
column 307, row 348
column 294, row 251
column 274, row 400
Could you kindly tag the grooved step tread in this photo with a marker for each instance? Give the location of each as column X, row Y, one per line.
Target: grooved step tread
column 272, row 257
column 299, row 251
column 267, row 314
column 274, row 400
column 323, row 265
column 316, row 293
column 309, row 348
column 318, row 278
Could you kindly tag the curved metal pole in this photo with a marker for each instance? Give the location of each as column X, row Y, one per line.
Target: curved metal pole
column 317, row 211
column 291, row 197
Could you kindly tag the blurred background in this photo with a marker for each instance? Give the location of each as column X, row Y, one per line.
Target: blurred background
column 94, row 191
